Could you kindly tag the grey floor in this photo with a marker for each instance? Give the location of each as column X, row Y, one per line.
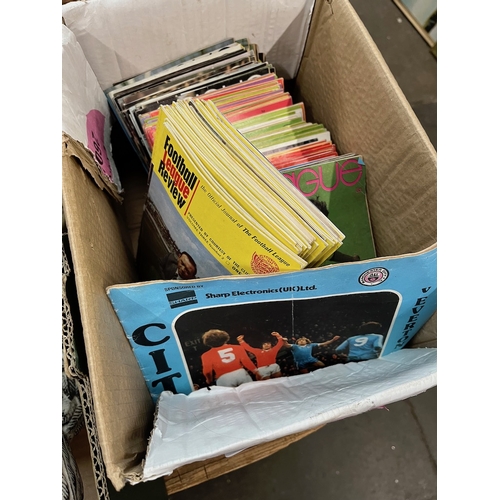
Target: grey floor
column 380, row 455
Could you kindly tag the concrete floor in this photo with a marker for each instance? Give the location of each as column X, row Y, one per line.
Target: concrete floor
column 380, row 455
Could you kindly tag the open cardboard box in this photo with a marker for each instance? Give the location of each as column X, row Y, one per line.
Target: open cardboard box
column 346, row 85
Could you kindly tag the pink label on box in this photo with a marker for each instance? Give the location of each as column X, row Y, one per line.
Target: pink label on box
column 95, row 140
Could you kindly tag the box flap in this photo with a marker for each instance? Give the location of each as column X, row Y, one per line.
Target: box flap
column 70, row 147
column 123, row 407
column 123, row 39
column 86, row 124
column 347, row 86
column 198, row 472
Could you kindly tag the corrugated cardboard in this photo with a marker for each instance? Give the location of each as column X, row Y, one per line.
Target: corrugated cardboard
column 347, row 86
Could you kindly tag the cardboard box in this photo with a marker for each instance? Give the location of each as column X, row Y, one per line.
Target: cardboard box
column 346, row 85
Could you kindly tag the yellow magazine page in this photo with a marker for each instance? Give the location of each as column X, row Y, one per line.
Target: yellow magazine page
column 230, row 237
column 233, row 98
column 240, row 175
column 329, row 237
column 237, row 87
column 324, row 227
column 234, row 213
column 211, row 155
column 293, row 220
column 239, row 179
column 267, row 172
column 239, row 185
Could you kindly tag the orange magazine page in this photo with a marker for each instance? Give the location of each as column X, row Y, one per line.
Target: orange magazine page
column 303, row 154
column 263, row 107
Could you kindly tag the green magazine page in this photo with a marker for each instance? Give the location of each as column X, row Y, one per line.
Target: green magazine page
column 338, row 188
column 272, row 128
column 288, row 134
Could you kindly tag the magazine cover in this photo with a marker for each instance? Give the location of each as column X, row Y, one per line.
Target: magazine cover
column 231, row 330
column 338, row 187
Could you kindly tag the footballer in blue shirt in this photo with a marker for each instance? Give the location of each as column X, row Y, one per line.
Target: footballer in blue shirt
column 302, row 353
column 363, row 346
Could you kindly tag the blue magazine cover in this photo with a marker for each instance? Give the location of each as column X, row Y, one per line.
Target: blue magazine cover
column 230, row 330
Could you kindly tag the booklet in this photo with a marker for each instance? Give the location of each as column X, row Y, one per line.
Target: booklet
column 337, row 186
column 231, row 330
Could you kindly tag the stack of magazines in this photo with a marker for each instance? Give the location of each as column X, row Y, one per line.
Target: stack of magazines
column 264, row 113
column 213, row 67
column 209, row 182
column 233, row 75
column 220, row 124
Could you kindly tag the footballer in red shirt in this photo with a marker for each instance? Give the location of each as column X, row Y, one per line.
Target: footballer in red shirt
column 265, row 357
column 225, row 364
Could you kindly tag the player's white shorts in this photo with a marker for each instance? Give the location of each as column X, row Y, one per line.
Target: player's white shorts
column 267, row 371
column 234, row 379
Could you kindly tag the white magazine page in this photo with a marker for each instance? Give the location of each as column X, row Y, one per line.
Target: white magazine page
column 223, row 421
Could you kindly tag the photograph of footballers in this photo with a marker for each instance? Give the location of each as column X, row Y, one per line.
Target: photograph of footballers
column 234, row 344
